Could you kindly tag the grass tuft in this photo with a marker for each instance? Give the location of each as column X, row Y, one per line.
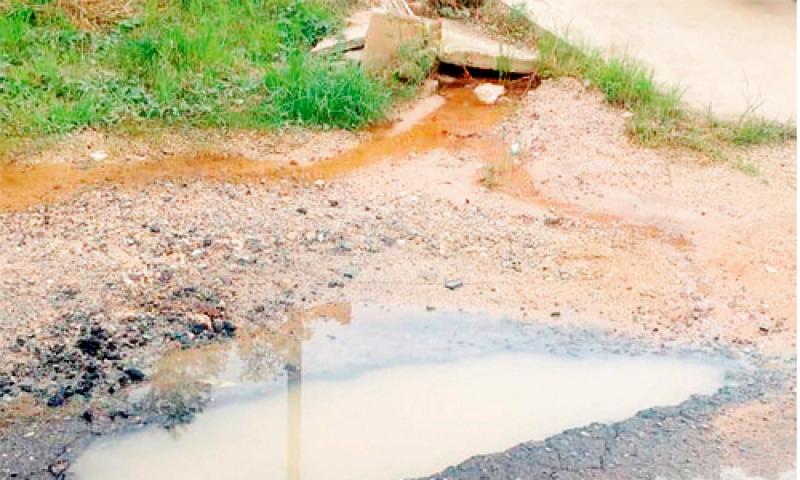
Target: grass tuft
column 308, row 90
column 758, row 131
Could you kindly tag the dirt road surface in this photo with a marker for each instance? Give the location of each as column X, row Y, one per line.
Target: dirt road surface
column 581, row 228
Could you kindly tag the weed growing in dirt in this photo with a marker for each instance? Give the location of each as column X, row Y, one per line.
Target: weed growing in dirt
column 203, row 63
column 745, row 166
column 457, row 9
column 658, row 115
column 758, row 131
column 414, row 62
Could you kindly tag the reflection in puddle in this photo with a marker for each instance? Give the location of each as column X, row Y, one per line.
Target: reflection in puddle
column 376, row 394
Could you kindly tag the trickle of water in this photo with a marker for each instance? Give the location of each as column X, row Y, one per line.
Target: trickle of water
column 371, row 393
column 458, row 119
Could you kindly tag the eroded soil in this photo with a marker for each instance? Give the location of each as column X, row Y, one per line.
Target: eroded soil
column 581, row 228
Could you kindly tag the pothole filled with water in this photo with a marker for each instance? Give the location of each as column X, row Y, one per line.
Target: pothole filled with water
column 362, row 392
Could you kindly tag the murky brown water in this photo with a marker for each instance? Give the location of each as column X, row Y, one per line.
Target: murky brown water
column 378, row 394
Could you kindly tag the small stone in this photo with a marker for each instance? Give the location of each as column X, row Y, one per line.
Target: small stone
column 58, row 468
column 555, row 314
column 98, row 155
column 114, row 414
column 349, row 272
column 453, row 284
column 489, row 93
column 228, row 328
column 218, row 326
column 764, row 327
column 89, row 345
column 345, row 246
column 56, row 400
column 134, row 374
column 198, row 328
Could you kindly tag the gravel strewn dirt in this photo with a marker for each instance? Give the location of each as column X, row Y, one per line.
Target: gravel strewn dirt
column 642, row 243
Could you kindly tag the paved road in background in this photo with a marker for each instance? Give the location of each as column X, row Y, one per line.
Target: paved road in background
column 729, row 54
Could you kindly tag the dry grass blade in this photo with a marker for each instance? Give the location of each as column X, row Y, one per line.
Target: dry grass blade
column 94, row 14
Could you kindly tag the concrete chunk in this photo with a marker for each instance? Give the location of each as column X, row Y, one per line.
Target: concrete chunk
column 351, row 38
column 463, row 45
column 389, row 32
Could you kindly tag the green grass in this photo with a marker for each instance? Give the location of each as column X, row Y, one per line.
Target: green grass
column 659, row 118
column 758, row 131
column 202, row 63
column 313, row 91
column 414, row 62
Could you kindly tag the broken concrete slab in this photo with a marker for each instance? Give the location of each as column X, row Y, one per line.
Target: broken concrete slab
column 455, row 43
column 388, row 33
column 463, row 45
column 351, row 38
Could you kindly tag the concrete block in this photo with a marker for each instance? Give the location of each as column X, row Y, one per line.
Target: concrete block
column 388, row 32
column 463, row 45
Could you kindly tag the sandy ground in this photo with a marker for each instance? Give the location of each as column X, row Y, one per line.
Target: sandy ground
column 585, row 229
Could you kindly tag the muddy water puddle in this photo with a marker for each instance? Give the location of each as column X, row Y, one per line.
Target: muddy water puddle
column 457, row 121
column 347, row 392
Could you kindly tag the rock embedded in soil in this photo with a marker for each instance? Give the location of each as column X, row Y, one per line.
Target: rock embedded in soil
column 57, row 399
column 134, row 374
column 489, row 93
column 58, row 468
column 350, row 272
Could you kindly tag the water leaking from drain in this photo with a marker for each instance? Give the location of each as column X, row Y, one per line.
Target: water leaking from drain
column 454, row 120
column 460, row 120
column 341, row 393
